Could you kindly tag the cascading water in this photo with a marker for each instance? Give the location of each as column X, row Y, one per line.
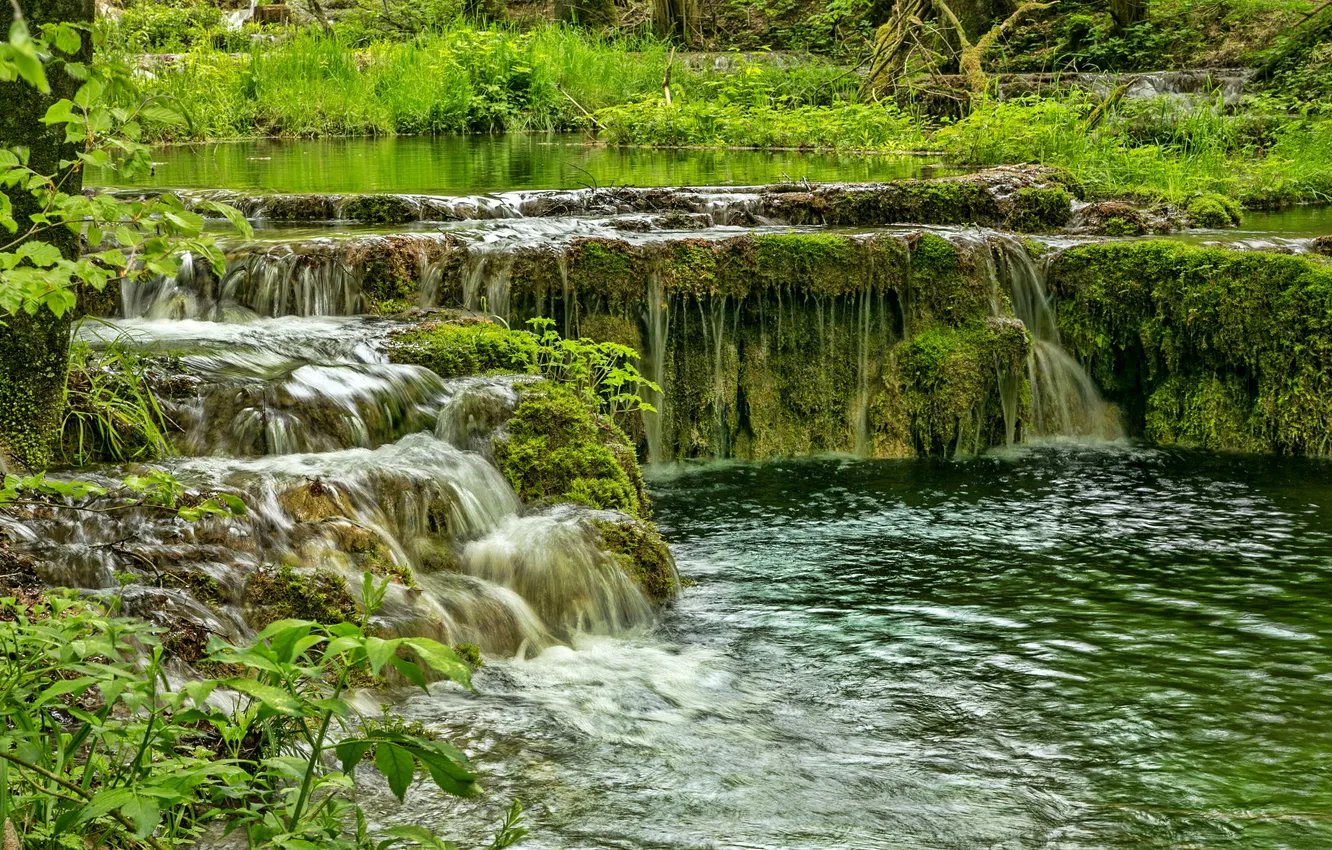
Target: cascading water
column 346, row 463
column 1065, row 402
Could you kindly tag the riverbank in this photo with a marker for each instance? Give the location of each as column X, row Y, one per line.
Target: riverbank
column 471, row 81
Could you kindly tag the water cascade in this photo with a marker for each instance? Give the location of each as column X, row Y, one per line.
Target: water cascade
column 347, row 463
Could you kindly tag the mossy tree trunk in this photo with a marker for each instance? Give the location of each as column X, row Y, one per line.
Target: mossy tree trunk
column 34, row 350
column 905, row 41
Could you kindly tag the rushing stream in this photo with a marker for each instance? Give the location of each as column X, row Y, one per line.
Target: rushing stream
column 1059, row 647
column 1073, row 643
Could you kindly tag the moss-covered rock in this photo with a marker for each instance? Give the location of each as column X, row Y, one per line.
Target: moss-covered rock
column 643, row 555
column 378, row 209
column 556, row 448
column 390, row 268
column 280, row 593
column 949, row 385
column 1323, row 245
column 463, row 347
column 1040, row 210
column 1207, row 346
column 1214, row 211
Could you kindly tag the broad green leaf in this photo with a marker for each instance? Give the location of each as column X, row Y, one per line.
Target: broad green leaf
column 398, row 768
column 274, row 698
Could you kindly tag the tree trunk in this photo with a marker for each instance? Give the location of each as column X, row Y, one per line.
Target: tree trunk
column 678, row 19
column 34, row 350
column 1127, row 12
column 592, row 14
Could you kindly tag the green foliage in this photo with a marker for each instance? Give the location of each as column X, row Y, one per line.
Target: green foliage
column 111, row 412
column 602, row 373
column 146, row 232
column 846, row 126
column 557, row 449
column 160, row 27
column 1200, row 151
column 97, row 745
column 154, row 490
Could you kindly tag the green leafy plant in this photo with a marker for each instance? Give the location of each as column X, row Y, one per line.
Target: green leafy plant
column 111, row 413
column 154, row 490
column 98, row 746
column 603, row 372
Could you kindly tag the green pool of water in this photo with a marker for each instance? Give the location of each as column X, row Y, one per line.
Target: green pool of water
column 1080, row 648
column 477, row 164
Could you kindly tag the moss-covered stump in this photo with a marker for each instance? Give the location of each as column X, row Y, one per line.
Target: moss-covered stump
column 280, row 593
column 642, row 554
column 556, row 448
column 1205, row 346
column 460, row 347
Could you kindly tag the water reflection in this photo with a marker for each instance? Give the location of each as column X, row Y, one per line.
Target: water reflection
column 471, row 164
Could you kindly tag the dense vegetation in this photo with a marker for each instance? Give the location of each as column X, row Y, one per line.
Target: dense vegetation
column 918, row 350
column 377, row 70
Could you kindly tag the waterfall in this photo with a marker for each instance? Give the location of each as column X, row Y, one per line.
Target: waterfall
column 1065, row 402
column 654, row 364
column 346, row 463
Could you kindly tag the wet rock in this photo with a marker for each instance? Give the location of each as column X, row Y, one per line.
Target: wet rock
column 315, row 502
column 1323, row 245
column 641, row 552
column 1115, row 218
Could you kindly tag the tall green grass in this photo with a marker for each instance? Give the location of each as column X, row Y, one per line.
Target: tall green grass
column 461, row 80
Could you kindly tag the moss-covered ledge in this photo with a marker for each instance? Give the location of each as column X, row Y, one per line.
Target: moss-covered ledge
column 1029, row 198
column 1209, row 347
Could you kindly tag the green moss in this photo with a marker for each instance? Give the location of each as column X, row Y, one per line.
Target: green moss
column 1213, row 210
column 942, row 287
column 816, row 263
column 470, row 653
column 391, row 267
column 1196, row 334
column 1040, row 210
column 378, row 209
column 1214, row 413
column 617, row 329
column 948, row 384
column 468, row 347
column 201, row 586
column 643, row 555
column 556, row 448
column 282, row 593
column 1118, row 226
column 299, row 208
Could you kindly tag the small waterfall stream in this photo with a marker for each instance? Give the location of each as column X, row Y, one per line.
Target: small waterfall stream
column 1065, row 402
column 346, row 463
